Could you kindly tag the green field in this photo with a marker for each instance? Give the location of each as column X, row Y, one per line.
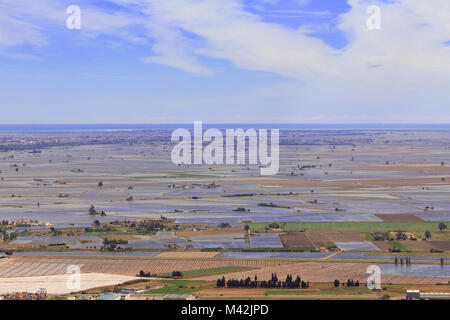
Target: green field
column 179, row 287
column 437, row 235
column 395, row 244
column 294, row 292
column 351, row 226
column 208, row 272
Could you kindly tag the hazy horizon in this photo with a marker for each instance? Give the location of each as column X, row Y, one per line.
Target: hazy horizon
column 5, row 128
column 236, row 61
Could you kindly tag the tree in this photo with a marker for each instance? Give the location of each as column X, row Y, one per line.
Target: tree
column 442, row 226
column 92, row 210
column 401, row 236
column 177, row 274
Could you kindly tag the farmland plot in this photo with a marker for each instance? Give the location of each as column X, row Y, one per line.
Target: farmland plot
column 266, row 240
column 274, row 255
column 357, row 246
column 41, row 266
column 296, row 240
column 423, row 270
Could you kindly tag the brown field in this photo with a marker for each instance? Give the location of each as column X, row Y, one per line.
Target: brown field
column 29, row 267
column 361, row 183
column 296, row 240
column 187, row 255
column 398, row 217
column 417, row 245
column 322, row 290
column 320, row 238
column 309, row 271
column 327, row 272
column 382, row 245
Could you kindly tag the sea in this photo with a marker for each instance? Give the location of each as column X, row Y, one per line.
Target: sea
column 281, row 126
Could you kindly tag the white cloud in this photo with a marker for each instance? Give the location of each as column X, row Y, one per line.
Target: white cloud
column 405, row 65
column 172, row 49
column 33, row 22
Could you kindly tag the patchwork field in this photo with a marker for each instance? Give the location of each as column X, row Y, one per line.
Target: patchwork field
column 426, row 246
column 328, row 272
column 350, row 226
column 341, row 187
column 34, row 267
column 322, row 238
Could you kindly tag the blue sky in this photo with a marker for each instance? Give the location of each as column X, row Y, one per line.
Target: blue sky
column 286, row 61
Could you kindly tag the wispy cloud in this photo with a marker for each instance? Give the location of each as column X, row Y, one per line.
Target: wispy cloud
column 410, row 53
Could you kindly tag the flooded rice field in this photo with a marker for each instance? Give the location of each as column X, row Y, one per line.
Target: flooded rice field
column 424, row 270
column 324, row 176
column 314, row 184
column 365, row 256
column 266, row 240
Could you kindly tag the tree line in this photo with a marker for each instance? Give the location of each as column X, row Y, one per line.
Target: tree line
column 348, row 283
column 407, row 261
column 274, row 282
